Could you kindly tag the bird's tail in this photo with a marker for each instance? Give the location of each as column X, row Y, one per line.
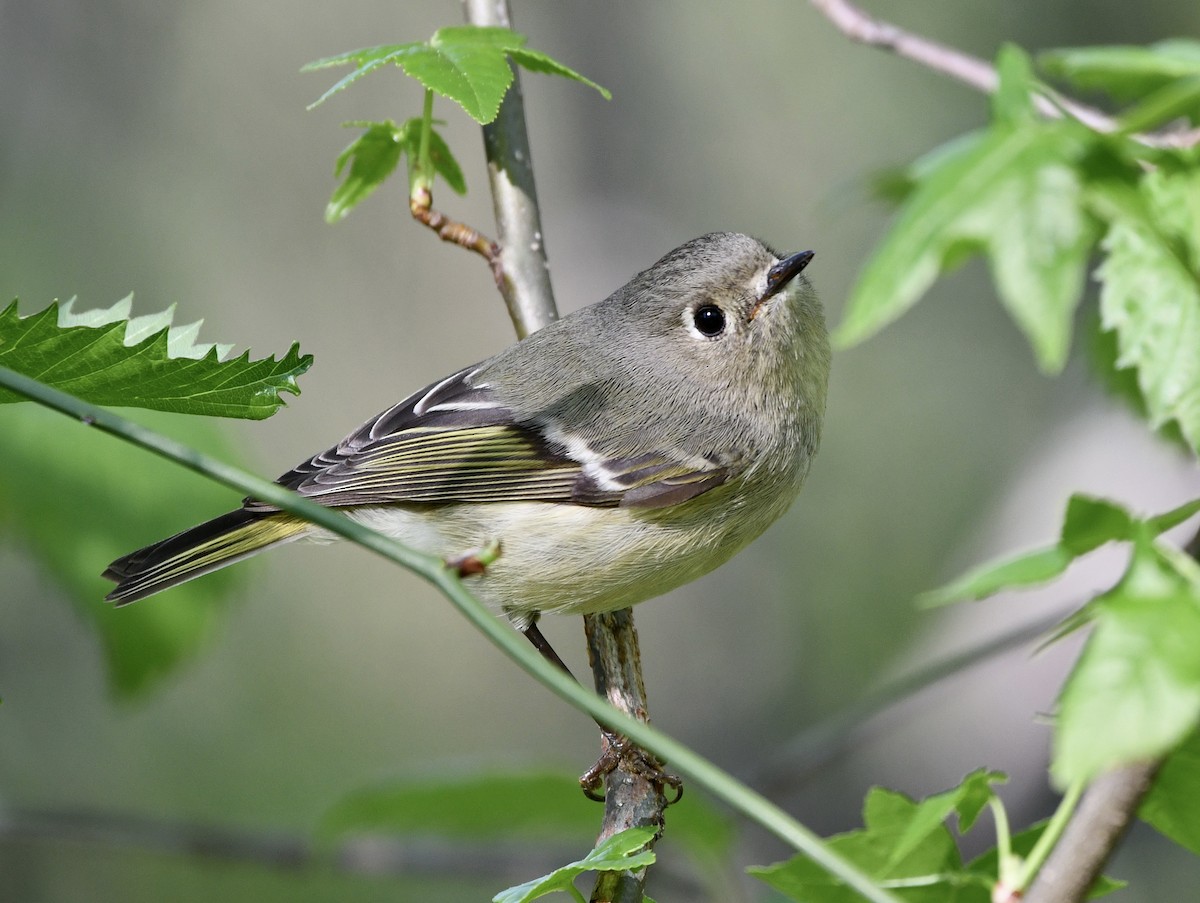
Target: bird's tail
column 214, row 544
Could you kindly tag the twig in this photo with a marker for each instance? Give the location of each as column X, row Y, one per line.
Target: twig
column 525, row 276
column 978, row 74
column 1104, row 814
column 525, row 285
column 420, row 205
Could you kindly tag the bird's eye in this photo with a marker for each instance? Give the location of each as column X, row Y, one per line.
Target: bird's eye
column 709, row 319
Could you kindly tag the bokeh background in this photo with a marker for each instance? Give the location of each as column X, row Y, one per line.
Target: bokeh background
column 165, row 149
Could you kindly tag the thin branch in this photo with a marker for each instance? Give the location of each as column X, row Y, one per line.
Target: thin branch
column 1104, row 815
column 979, row 74
column 524, row 280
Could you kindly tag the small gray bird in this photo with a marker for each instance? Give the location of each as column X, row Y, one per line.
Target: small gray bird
column 616, row 454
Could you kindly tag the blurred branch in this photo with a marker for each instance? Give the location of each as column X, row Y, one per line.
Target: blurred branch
column 979, row 74
column 817, row 744
column 524, row 280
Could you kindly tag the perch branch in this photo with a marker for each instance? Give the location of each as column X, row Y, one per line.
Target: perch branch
column 524, row 281
column 979, row 74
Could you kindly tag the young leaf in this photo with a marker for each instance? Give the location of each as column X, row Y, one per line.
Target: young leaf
column 74, row 500
column 1150, row 295
column 619, row 853
column 374, row 155
column 929, row 871
column 1014, row 193
column 466, row 63
column 145, row 362
column 1091, row 522
column 1127, row 73
column 1172, row 806
column 1022, row 571
column 1135, row 691
column 1173, row 100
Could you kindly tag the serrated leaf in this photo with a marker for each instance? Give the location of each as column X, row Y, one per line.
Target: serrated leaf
column 1172, row 807
column 1150, row 297
column 374, row 155
column 143, row 362
column 1013, row 193
column 74, row 499
column 467, row 64
column 930, row 872
column 1125, row 72
column 621, row 852
column 1091, row 522
column 967, row 799
column 1135, row 691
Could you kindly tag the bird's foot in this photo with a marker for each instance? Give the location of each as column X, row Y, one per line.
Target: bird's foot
column 623, row 754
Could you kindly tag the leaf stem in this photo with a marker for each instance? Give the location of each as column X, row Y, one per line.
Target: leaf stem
column 1003, row 840
column 1037, row 856
column 423, row 171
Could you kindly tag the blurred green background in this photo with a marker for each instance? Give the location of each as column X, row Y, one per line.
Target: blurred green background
column 165, row 149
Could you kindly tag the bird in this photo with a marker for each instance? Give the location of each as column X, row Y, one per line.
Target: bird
column 617, row 453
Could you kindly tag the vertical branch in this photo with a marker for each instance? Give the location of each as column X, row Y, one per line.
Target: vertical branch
column 524, row 275
column 525, row 284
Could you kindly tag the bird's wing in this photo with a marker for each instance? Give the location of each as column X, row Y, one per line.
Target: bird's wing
column 455, row 441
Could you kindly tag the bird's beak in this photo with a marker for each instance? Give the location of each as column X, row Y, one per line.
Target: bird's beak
column 780, row 275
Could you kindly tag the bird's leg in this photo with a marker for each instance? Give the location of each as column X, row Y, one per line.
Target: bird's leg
column 615, row 749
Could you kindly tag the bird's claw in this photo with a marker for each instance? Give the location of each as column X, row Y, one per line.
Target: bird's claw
column 622, row 753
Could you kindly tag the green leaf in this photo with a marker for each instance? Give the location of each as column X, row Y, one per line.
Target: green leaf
column 1135, row 691
column 1014, row 193
column 1125, row 72
column 1150, row 295
column 467, row 64
column 1172, row 100
column 1091, row 522
column 1025, row 570
column 145, row 362
column 967, row 799
column 74, row 500
column 1163, row 522
column 1012, row 103
column 930, row 871
column 374, row 155
column 1172, row 806
column 619, row 853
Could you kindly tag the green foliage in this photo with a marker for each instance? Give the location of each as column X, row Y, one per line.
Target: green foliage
column 75, row 500
column 619, row 853
column 1170, row 806
column 1125, row 73
column 467, row 64
column 374, row 155
column 1023, row 843
column 1135, row 691
column 1036, row 196
column 107, row 358
column 905, row 846
column 1134, row 694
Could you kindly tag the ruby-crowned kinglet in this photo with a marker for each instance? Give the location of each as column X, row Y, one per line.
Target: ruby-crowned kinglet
column 615, row 454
